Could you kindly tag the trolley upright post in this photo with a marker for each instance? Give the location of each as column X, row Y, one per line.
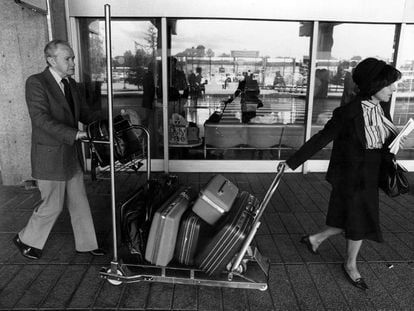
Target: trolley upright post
column 108, row 45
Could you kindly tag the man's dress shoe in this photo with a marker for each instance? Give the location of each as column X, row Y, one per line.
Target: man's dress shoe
column 26, row 250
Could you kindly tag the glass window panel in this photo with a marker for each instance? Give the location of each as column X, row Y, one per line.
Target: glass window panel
column 404, row 104
column 213, row 57
column 134, row 74
column 339, row 49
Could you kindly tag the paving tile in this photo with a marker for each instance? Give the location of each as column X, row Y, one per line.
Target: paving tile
column 66, row 285
column 268, row 248
column 259, row 300
column 135, row 295
column 160, row 297
column 109, row 296
column 281, row 289
column 287, row 248
column 399, row 247
column 234, row 299
column 88, row 289
column 185, row 297
column 209, row 298
column 274, row 223
column 290, row 197
column 291, row 223
column 327, row 287
column 377, row 294
column 17, row 286
column 304, row 288
column 7, row 274
column 397, row 282
column 39, row 289
column 306, row 222
column 300, row 192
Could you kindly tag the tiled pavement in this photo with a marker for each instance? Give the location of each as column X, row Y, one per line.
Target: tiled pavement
column 65, row 280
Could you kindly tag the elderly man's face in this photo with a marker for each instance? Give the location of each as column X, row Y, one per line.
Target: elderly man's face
column 63, row 61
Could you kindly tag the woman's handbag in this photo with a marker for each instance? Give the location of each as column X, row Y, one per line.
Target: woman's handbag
column 393, row 180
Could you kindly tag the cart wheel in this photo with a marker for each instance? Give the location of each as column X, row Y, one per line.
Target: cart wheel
column 115, row 282
column 242, row 268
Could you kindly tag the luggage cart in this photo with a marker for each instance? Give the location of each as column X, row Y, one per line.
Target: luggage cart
column 237, row 276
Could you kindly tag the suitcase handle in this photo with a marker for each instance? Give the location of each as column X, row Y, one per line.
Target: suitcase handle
column 255, row 226
column 221, row 189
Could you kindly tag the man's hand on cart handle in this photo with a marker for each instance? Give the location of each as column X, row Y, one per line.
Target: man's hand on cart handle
column 81, row 135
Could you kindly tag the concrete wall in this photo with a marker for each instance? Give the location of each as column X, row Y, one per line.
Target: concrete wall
column 23, row 34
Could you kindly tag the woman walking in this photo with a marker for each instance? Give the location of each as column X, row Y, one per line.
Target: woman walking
column 361, row 132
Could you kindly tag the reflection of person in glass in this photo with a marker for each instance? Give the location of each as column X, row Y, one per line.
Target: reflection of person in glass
column 279, row 81
column 361, row 132
column 350, row 88
column 197, row 88
column 249, row 100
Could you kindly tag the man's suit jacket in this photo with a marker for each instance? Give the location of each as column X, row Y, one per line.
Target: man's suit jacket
column 347, row 130
column 55, row 153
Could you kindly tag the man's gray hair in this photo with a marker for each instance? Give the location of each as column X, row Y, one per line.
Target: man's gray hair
column 52, row 46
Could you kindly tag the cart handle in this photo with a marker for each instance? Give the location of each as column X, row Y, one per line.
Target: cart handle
column 269, row 194
column 256, row 223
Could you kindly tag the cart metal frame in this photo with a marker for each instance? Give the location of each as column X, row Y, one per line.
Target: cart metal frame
column 237, row 276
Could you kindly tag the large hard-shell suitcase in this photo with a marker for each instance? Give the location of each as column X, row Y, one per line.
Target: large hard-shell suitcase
column 220, row 250
column 193, row 231
column 164, row 227
column 215, row 199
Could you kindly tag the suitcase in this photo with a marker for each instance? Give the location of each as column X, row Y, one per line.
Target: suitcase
column 193, row 231
column 215, row 199
column 221, row 249
column 164, row 227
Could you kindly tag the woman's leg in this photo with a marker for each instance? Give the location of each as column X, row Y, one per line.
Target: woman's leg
column 353, row 248
column 317, row 238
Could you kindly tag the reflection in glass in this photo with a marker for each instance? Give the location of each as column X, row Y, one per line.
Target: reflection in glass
column 404, row 105
column 134, row 72
column 217, row 57
column 339, row 49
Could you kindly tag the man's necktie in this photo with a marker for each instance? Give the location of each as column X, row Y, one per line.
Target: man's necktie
column 68, row 95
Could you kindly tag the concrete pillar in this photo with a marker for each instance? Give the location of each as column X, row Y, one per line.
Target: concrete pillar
column 23, row 35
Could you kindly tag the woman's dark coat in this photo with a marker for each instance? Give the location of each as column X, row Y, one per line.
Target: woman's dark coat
column 346, row 129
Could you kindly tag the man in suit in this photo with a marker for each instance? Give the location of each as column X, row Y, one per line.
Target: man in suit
column 56, row 106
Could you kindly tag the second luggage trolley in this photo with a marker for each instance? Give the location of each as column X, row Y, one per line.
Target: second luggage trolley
column 237, row 274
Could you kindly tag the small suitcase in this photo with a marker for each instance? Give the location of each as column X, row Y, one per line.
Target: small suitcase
column 164, row 227
column 220, row 250
column 193, row 231
column 215, row 199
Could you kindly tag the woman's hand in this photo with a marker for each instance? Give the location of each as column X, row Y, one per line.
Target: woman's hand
column 403, row 140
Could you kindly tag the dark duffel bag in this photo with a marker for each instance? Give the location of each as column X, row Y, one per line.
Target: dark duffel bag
column 137, row 211
column 126, row 141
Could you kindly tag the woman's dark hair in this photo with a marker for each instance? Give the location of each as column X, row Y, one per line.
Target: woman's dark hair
column 371, row 75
